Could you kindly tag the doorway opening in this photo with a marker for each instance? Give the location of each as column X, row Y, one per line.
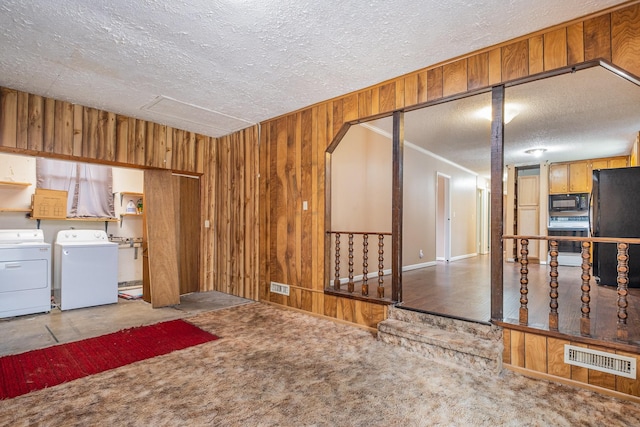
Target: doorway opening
column 443, row 218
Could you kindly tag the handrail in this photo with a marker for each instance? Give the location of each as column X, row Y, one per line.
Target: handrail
column 377, row 233
column 631, row 240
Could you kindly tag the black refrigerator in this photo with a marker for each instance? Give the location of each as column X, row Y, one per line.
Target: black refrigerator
column 615, row 212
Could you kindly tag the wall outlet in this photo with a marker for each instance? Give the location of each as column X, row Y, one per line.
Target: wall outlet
column 421, row 254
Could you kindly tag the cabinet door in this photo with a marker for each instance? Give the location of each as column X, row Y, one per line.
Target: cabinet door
column 599, row 164
column 528, row 191
column 618, row 162
column 528, row 225
column 558, row 178
column 579, row 177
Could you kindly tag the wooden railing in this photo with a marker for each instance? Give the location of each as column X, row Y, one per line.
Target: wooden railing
column 335, row 237
column 623, row 244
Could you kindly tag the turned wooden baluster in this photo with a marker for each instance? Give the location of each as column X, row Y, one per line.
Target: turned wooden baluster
column 585, row 321
column 553, row 304
column 350, row 284
column 380, row 266
column 365, row 265
column 623, row 283
column 524, row 281
column 336, row 281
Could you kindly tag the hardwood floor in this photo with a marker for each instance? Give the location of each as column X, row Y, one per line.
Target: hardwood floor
column 462, row 289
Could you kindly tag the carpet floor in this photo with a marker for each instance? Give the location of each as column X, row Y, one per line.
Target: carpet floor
column 274, row 367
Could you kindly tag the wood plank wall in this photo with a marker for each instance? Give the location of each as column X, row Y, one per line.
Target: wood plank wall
column 39, row 126
column 545, row 355
column 229, row 193
column 292, row 147
column 36, row 125
column 291, row 156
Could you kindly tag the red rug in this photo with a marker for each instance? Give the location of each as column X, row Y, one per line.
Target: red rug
column 37, row 369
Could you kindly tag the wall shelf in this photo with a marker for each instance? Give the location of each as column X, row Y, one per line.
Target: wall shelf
column 14, row 184
column 122, row 215
column 23, row 210
column 106, row 220
column 130, row 194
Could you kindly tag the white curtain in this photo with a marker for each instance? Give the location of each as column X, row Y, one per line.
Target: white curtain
column 89, row 187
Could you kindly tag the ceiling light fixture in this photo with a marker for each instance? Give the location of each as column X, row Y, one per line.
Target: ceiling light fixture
column 536, row 152
column 510, row 112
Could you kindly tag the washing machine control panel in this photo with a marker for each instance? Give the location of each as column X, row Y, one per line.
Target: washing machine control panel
column 77, row 236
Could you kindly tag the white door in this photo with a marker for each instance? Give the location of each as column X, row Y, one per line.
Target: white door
column 443, row 218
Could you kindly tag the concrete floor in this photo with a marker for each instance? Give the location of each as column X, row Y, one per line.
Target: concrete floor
column 24, row 333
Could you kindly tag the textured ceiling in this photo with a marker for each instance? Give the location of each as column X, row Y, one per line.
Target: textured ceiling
column 216, row 66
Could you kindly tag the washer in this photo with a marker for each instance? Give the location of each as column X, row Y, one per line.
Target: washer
column 85, row 269
column 25, row 273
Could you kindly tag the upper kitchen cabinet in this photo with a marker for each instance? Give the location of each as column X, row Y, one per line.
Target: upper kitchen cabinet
column 570, row 177
column 610, row 163
column 575, row 177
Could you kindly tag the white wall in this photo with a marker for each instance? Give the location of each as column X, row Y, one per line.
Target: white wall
column 361, row 187
column 420, row 177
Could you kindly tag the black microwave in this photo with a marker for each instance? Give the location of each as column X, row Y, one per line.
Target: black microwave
column 568, row 202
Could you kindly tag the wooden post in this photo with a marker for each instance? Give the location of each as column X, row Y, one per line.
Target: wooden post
column 497, row 225
column 524, row 282
column 380, row 266
column 623, row 282
column 553, row 294
column 365, row 265
column 350, row 284
column 336, row 281
column 585, row 321
column 396, row 207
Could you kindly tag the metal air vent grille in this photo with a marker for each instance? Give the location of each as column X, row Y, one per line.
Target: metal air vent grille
column 600, row 361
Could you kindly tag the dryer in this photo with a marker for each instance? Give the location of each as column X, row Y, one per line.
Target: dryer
column 85, row 269
column 25, row 273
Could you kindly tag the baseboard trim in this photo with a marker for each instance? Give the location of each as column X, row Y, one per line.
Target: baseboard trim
column 566, row 381
column 322, row 316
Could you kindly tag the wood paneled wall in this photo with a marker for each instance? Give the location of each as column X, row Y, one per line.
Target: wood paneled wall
column 229, row 193
column 32, row 124
column 291, row 157
column 40, row 126
column 545, row 355
column 292, row 147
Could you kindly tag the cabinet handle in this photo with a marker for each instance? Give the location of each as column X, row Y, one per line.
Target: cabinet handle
column 12, row 265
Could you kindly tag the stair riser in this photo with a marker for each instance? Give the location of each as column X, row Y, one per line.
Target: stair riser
column 461, row 343
column 454, row 325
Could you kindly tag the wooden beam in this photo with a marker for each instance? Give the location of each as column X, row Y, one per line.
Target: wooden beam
column 396, row 207
column 497, row 225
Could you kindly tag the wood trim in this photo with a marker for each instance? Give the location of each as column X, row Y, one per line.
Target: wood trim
column 497, row 166
column 542, row 376
column 396, row 208
column 322, row 316
column 574, row 338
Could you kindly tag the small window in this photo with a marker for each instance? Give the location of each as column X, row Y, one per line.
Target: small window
column 89, row 187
